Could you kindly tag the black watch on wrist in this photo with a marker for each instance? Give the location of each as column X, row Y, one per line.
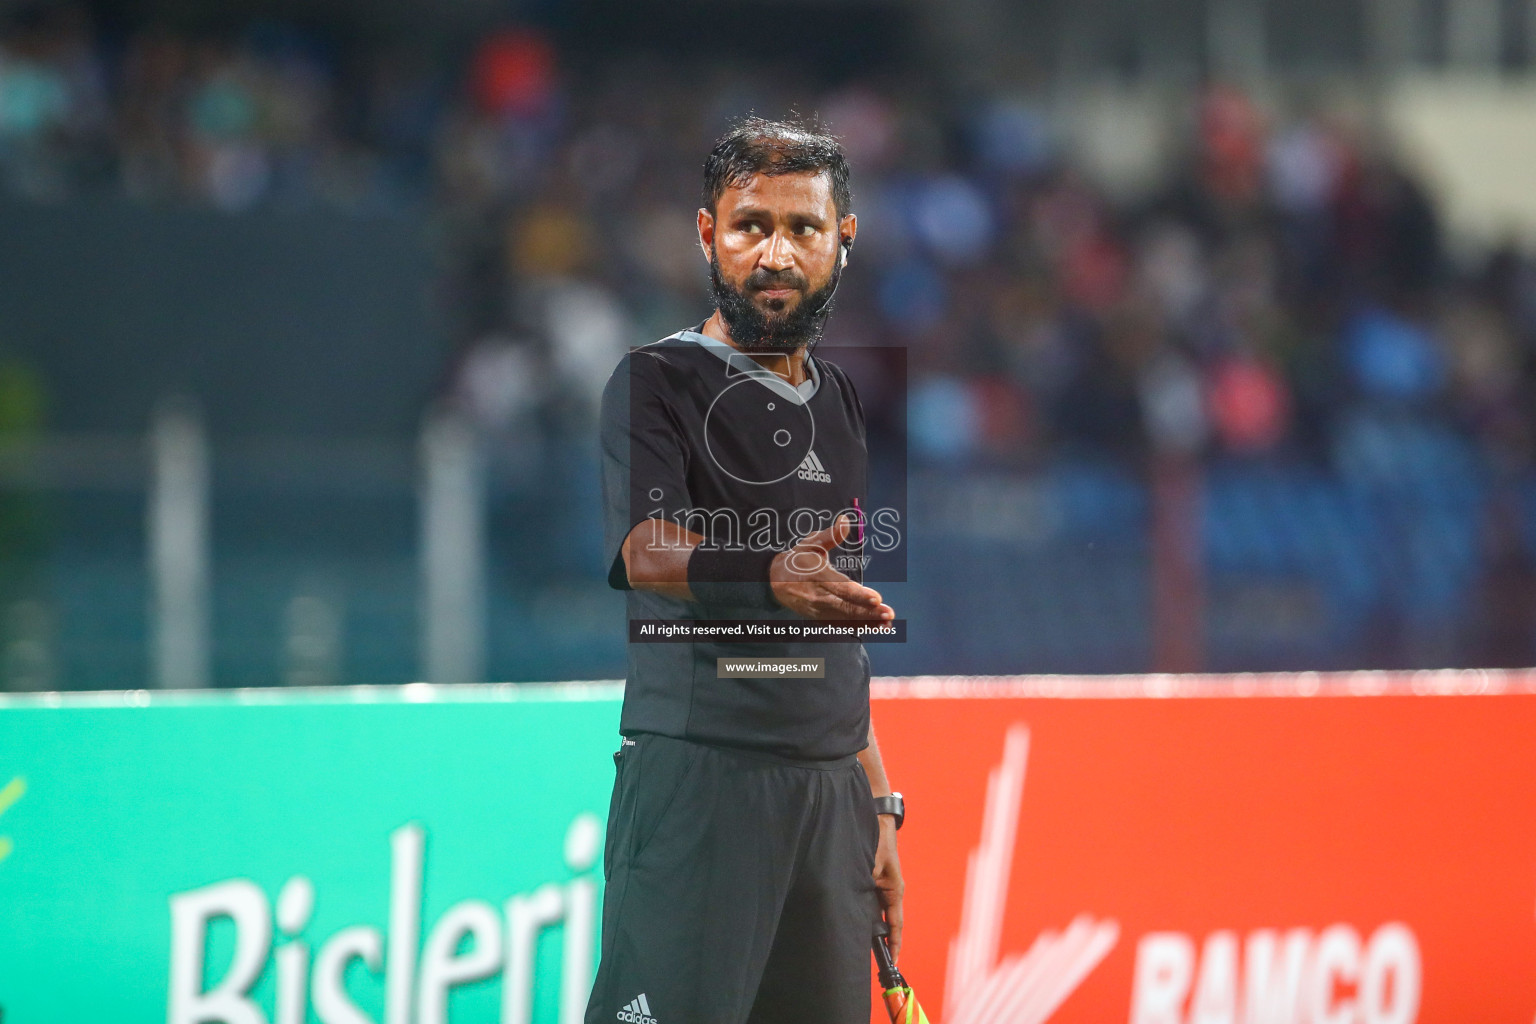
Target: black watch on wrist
column 894, row 805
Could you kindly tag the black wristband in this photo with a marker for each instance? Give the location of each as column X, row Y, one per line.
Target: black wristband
column 893, row 805
column 720, row 576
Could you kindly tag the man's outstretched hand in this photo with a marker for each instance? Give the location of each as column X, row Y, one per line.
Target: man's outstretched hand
column 804, row 581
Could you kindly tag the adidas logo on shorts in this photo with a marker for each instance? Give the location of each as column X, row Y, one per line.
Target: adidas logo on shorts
column 812, row 469
column 637, row 1012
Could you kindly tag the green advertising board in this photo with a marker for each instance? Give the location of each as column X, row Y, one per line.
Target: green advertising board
column 412, row 855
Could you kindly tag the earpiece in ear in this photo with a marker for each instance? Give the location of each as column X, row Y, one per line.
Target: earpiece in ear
column 847, row 248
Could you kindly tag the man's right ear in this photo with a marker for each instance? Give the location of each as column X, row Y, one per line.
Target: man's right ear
column 706, row 229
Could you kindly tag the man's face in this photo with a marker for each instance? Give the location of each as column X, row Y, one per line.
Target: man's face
column 774, row 245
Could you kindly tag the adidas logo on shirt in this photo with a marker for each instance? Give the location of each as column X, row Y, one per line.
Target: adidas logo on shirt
column 637, row 1012
column 812, row 469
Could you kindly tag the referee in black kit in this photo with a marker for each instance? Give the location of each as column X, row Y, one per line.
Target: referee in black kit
column 752, row 833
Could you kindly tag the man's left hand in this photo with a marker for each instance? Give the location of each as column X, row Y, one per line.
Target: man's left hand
column 888, row 881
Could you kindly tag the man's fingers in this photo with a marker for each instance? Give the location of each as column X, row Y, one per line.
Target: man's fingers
column 811, row 555
column 820, row 606
column 856, row 606
column 846, row 599
column 859, row 610
column 868, row 604
column 853, row 593
column 840, row 528
column 832, row 536
column 893, row 917
column 843, row 587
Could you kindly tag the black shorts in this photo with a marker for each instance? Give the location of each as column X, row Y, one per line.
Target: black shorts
column 740, row 889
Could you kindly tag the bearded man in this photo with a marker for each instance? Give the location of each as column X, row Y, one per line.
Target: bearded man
column 751, row 844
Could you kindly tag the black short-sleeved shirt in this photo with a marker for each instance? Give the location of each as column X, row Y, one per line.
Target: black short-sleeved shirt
column 699, row 433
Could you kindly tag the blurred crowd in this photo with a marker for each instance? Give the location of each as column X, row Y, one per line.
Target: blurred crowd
column 1284, row 291
column 273, row 117
column 1282, row 283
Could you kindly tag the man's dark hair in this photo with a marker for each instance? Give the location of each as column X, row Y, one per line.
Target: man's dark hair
column 756, row 145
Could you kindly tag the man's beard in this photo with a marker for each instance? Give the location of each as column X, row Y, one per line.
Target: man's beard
column 755, row 331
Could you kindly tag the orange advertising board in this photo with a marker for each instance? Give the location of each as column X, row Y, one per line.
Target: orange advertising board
column 1354, row 849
